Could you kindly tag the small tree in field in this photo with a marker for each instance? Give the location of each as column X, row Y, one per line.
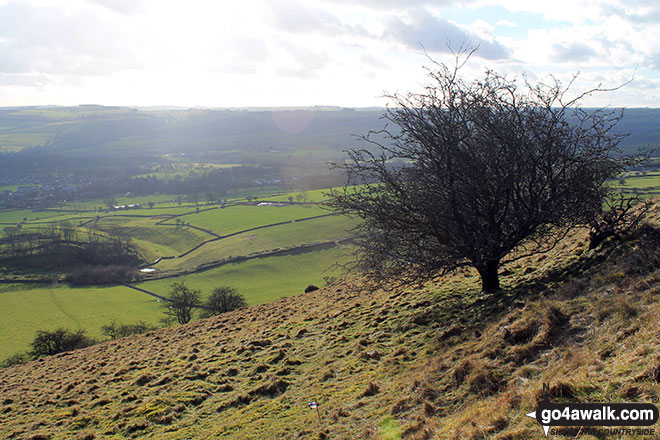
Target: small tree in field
column 476, row 174
column 182, row 302
column 223, row 299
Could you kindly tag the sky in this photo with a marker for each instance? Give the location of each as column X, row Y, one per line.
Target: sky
column 266, row 53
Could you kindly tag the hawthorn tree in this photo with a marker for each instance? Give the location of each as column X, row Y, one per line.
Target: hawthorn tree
column 476, row 173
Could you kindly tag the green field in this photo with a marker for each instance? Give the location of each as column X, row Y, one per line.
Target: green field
column 238, row 218
column 264, row 279
column 156, row 232
column 262, row 240
column 317, row 195
column 158, row 199
column 648, row 181
column 187, row 170
column 26, row 311
column 18, row 215
column 260, row 280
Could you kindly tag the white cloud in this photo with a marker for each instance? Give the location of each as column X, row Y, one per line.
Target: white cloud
column 290, row 52
column 505, row 23
column 122, row 6
column 574, row 51
column 435, row 34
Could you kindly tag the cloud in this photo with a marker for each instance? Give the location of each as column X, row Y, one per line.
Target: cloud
column 13, row 59
column 252, row 48
column 572, row 52
column 306, row 58
column 645, row 11
column 506, row 23
column 126, row 7
column 24, row 80
column 52, row 40
column 296, row 72
column 438, row 35
column 374, row 62
column 655, row 61
column 293, row 16
column 400, row 4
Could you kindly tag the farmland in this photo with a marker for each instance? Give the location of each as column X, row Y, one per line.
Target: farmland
column 642, row 184
column 266, row 252
column 216, row 198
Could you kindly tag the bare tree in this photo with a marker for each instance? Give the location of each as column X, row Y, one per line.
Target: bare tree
column 619, row 219
column 476, row 174
column 182, row 301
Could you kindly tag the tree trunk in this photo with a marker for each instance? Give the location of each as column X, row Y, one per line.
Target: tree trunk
column 490, row 278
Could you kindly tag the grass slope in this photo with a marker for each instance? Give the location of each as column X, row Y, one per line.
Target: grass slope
column 439, row 362
column 237, row 218
column 263, row 240
column 263, row 280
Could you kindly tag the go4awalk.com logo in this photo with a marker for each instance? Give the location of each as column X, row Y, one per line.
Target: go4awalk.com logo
column 629, row 418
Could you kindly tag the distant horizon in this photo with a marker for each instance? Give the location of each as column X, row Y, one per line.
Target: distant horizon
column 257, row 108
column 200, row 107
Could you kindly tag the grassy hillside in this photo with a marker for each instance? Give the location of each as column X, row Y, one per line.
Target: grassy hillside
column 440, row 362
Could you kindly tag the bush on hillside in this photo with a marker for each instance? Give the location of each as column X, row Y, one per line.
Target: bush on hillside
column 116, row 331
column 50, row 342
column 223, row 299
column 15, row 359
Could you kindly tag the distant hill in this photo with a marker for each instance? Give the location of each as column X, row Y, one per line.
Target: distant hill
column 91, row 129
column 114, row 130
column 440, row 362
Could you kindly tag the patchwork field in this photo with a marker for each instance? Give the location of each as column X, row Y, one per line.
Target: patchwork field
column 276, row 251
column 645, row 184
column 224, row 221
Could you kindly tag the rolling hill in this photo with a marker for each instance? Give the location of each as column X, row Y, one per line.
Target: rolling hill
column 240, row 133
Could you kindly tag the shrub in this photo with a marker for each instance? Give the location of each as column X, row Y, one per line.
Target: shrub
column 223, row 299
column 182, row 301
column 51, row 342
column 311, row 288
column 329, row 279
column 115, row 331
column 15, row 359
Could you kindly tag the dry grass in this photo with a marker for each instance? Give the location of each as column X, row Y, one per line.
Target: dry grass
column 443, row 362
